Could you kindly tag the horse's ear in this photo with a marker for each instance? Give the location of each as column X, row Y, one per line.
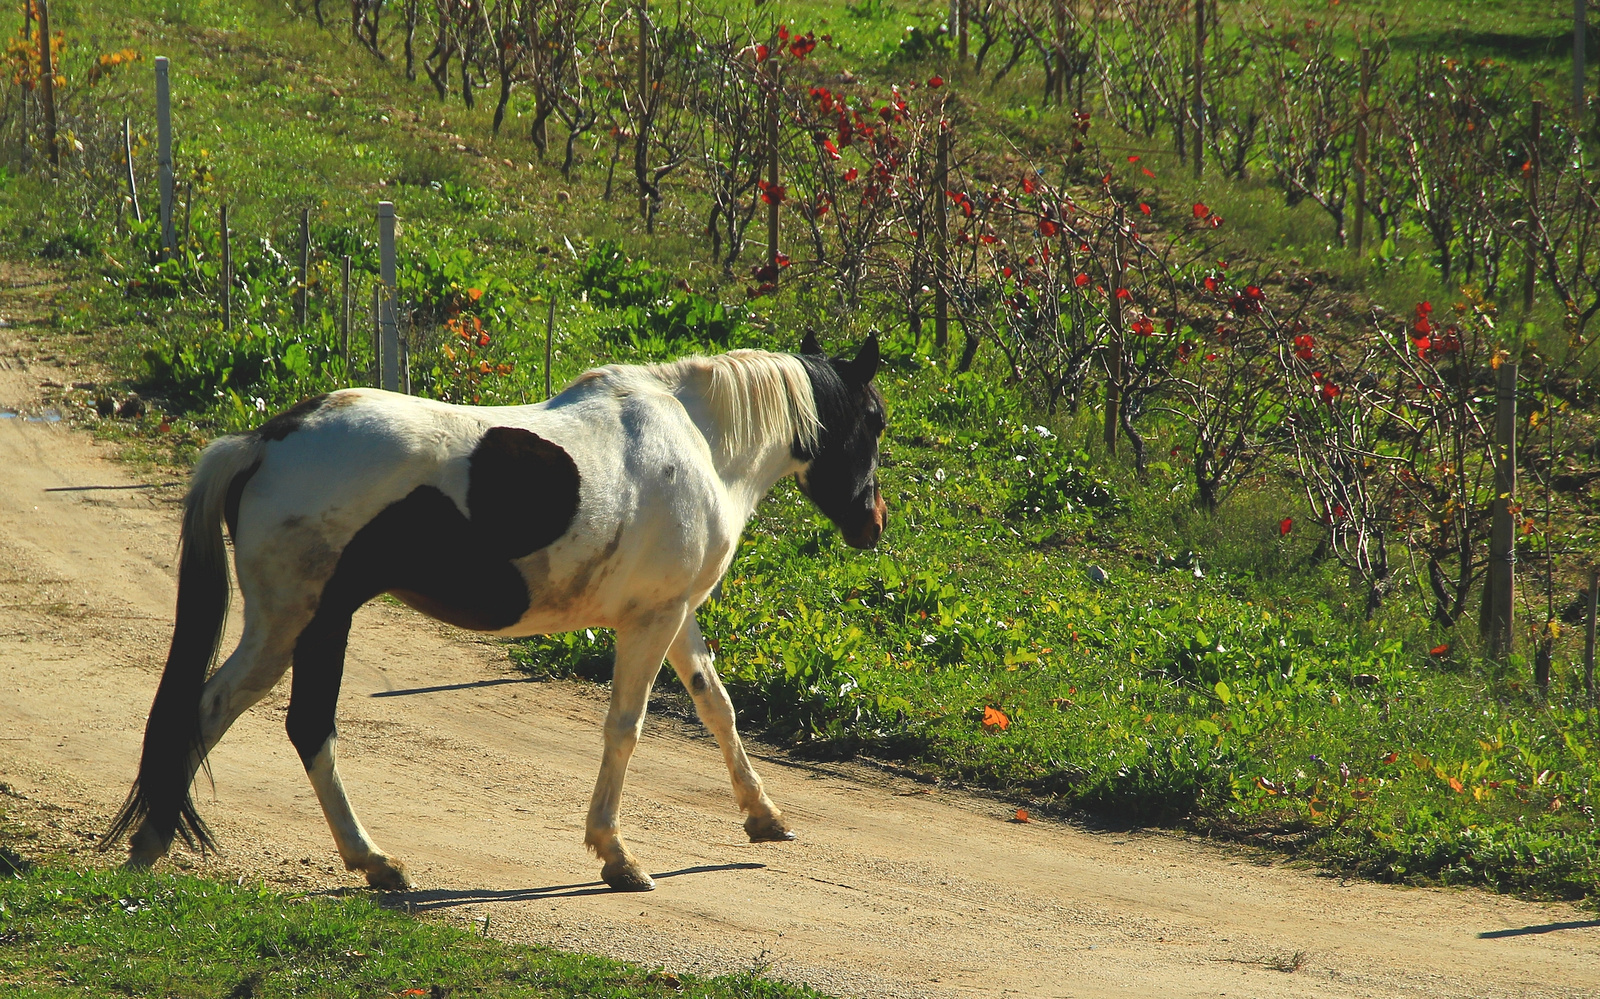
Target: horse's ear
column 810, row 345
column 865, row 366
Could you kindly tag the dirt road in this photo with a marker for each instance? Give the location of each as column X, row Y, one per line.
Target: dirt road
column 479, row 781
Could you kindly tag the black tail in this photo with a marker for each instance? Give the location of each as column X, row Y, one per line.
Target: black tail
column 172, row 736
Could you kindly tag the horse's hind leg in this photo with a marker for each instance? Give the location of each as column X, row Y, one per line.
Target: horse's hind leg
column 248, row 674
column 692, row 661
column 318, row 670
column 640, row 648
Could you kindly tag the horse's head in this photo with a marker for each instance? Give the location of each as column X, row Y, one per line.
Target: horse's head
column 841, row 474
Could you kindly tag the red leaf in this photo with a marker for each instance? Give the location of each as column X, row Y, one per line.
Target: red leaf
column 1133, row 159
column 1081, row 280
column 1393, row 756
column 936, row 81
column 851, row 174
column 762, row 52
column 1439, row 650
column 1147, row 171
column 1124, row 293
column 1285, row 526
column 1201, row 211
column 1021, row 816
column 831, row 149
column 1144, row 208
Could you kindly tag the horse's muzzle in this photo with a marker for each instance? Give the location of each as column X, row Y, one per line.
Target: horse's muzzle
column 867, row 535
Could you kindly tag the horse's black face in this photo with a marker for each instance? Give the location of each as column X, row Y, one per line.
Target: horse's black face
column 842, row 477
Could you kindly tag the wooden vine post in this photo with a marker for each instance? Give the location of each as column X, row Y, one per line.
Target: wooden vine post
column 1529, row 269
column 1114, row 353
column 388, row 324
column 1580, row 39
column 227, row 273
column 941, row 246
column 344, row 313
column 1497, row 621
column 1588, row 641
column 302, row 300
column 169, row 238
column 773, row 197
column 549, row 341
column 47, row 85
column 644, row 94
column 1358, row 236
column 958, row 14
column 1199, row 88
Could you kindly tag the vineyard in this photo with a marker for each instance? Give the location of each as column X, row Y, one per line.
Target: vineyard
column 1243, row 452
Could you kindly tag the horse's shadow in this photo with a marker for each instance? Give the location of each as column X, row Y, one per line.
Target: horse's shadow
column 443, row 898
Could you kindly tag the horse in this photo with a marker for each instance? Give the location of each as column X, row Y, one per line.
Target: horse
column 618, row 503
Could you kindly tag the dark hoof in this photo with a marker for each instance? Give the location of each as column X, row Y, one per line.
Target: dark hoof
column 387, row 874
column 767, row 829
column 625, row 875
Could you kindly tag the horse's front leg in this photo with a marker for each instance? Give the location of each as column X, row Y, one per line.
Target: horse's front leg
column 640, row 648
column 692, row 661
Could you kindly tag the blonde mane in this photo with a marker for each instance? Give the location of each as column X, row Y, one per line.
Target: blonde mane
column 757, row 397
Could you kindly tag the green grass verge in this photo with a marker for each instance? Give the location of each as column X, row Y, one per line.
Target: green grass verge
column 73, row 932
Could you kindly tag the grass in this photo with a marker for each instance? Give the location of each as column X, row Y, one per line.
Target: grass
column 75, row 932
column 1219, row 677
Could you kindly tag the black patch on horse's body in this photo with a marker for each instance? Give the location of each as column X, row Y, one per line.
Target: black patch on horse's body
column 522, row 494
column 522, row 491
column 288, row 421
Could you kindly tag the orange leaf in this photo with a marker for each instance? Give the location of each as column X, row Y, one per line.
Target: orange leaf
column 995, row 720
column 1392, row 757
column 1455, row 786
column 1022, row 816
column 474, row 293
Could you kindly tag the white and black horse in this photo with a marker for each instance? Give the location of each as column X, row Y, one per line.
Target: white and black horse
column 618, row 503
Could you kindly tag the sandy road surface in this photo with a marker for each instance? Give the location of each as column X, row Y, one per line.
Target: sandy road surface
column 479, row 781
